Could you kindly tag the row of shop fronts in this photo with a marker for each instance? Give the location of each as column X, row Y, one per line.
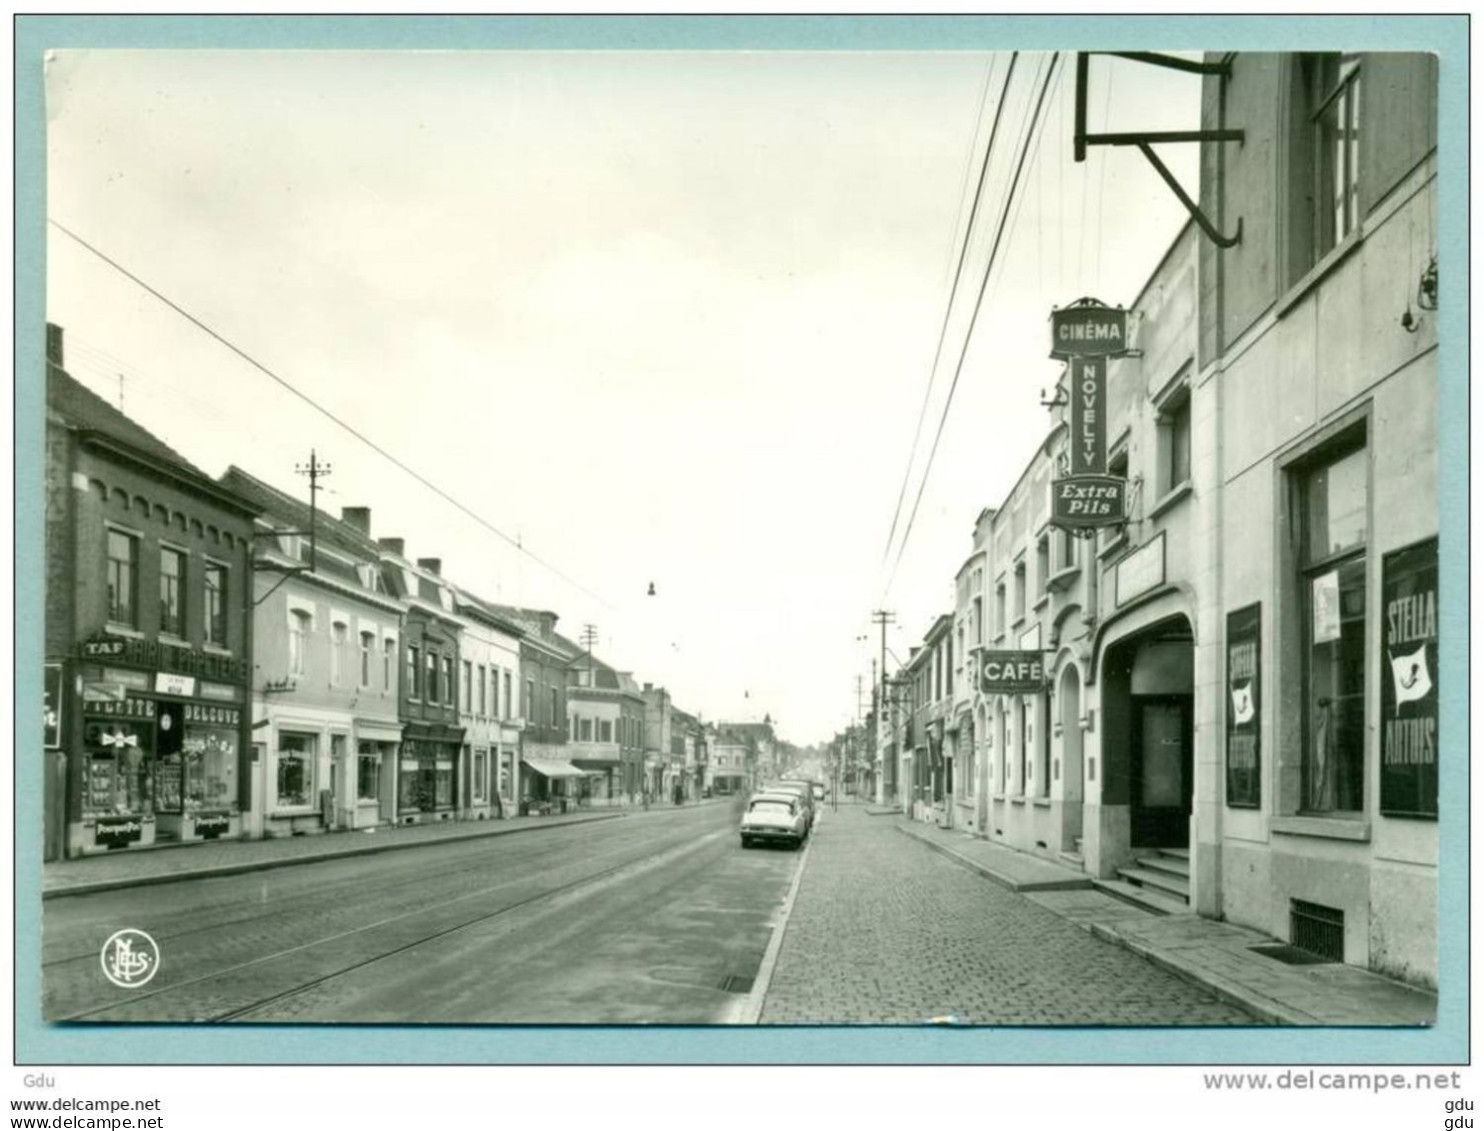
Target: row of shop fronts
column 225, row 662
column 1226, row 703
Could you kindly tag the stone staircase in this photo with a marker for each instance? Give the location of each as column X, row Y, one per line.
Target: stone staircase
column 1159, row 880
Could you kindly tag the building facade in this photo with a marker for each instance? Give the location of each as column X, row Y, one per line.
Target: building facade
column 605, row 711
column 148, row 635
column 966, row 726
column 326, row 728
column 489, row 659
column 428, row 767
column 1318, row 356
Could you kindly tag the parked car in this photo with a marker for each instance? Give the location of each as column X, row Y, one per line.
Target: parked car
column 799, row 789
column 818, row 788
column 773, row 818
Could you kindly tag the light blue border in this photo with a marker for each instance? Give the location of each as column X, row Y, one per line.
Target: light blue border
column 1446, row 1043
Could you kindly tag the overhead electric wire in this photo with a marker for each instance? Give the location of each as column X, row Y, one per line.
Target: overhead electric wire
column 948, row 309
column 323, row 411
column 978, row 302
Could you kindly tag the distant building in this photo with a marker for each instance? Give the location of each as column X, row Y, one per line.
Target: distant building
column 605, row 735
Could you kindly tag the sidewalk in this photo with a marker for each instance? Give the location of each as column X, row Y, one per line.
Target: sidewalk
column 1215, row 955
column 139, row 867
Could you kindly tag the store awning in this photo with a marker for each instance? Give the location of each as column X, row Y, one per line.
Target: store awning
column 553, row 768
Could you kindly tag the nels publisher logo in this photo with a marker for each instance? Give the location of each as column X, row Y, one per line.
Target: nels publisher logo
column 130, row 958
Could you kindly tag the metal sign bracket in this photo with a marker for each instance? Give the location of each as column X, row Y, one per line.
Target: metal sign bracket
column 1081, row 139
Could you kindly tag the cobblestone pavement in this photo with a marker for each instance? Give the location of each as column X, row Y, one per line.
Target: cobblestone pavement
column 886, row 931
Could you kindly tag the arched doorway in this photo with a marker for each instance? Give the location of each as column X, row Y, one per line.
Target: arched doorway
column 1069, row 700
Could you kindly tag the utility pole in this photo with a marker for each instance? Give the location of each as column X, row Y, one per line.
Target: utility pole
column 316, row 471
column 883, row 617
column 589, row 638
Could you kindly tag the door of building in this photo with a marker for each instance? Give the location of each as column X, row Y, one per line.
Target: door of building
column 1163, row 767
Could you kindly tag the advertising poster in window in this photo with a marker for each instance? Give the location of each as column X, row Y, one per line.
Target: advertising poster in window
column 1244, row 707
column 1409, row 681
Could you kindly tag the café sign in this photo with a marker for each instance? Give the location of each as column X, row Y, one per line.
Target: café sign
column 1086, row 501
column 1089, row 331
column 1011, row 672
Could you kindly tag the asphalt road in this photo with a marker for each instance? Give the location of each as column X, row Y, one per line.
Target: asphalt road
column 659, row 917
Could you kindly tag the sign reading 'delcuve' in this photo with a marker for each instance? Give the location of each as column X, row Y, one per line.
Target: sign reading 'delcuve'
column 1008, row 672
column 1244, row 707
column 1409, row 681
column 1088, row 331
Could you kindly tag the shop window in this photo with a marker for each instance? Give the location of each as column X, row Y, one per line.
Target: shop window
column 1332, row 500
column 296, row 754
column 339, row 637
column 368, row 643
column 117, row 762
column 414, row 672
column 368, row 772
column 202, row 773
column 123, row 579
column 1174, row 442
column 605, row 730
column 443, row 785
column 410, row 778
column 216, row 604
column 172, row 586
column 299, row 627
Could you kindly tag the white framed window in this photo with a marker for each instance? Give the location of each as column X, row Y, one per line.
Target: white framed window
column 301, row 624
column 368, row 645
column 339, row 638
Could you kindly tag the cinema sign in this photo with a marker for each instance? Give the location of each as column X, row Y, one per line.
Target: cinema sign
column 1011, row 672
column 1092, row 330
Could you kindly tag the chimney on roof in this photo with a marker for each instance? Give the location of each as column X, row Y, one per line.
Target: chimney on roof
column 359, row 517
column 648, row 687
column 393, row 546
column 54, row 344
column 432, row 565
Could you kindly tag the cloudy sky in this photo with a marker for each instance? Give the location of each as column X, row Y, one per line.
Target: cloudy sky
column 661, row 317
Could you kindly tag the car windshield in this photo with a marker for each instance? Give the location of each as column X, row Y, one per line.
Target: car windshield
column 769, row 805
